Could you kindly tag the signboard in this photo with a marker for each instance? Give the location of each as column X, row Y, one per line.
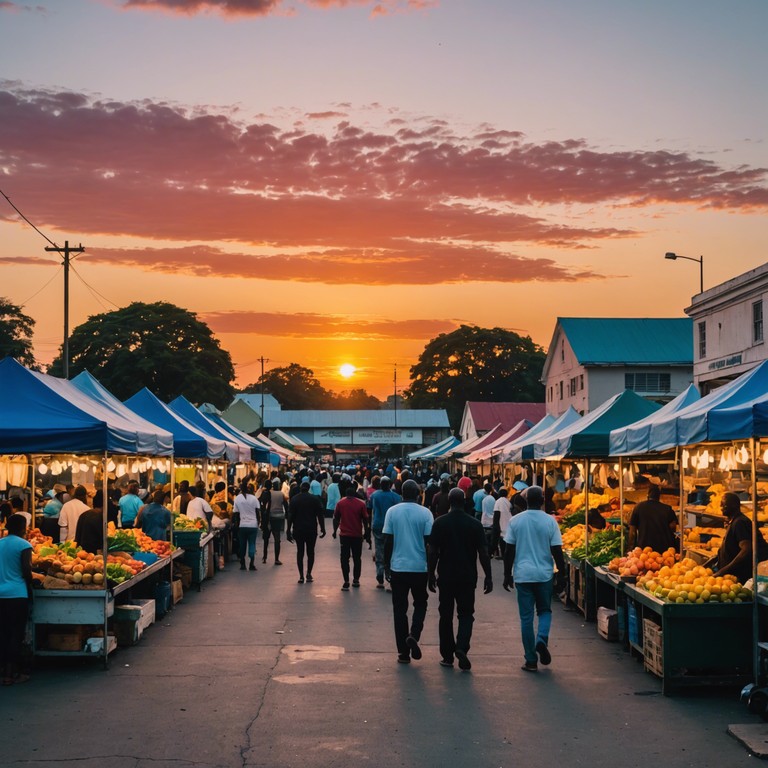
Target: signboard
column 394, row 435
column 325, row 436
column 725, row 362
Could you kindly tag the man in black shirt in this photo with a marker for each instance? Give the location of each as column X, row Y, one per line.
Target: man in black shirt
column 456, row 541
column 735, row 554
column 652, row 523
column 305, row 513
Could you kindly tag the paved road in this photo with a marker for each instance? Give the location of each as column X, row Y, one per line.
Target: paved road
column 259, row 671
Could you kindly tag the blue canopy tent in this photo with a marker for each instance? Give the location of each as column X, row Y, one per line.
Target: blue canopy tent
column 156, row 441
column 589, row 436
column 43, row 414
column 522, row 448
column 258, row 451
column 435, row 450
column 236, row 450
column 635, row 439
column 188, row 441
column 736, row 405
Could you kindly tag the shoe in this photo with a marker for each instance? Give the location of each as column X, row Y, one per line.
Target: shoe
column 530, row 667
column 277, row 562
column 380, row 585
column 309, row 577
column 446, row 663
column 413, row 646
column 301, row 579
column 545, row 657
column 21, row 678
column 403, row 658
column 252, row 566
column 355, row 583
column 464, row 662
column 242, row 565
column 345, row 587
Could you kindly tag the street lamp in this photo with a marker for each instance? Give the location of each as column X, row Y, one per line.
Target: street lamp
column 699, row 261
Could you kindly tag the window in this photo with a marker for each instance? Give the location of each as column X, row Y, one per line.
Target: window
column 647, row 382
column 757, row 322
column 702, row 327
column 581, row 382
column 561, row 390
column 551, row 398
column 572, row 386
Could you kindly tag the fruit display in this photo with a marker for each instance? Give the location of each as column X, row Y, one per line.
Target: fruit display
column 688, row 582
column 134, row 540
column 184, row 523
column 595, row 500
column 703, row 539
column 640, row 561
column 574, row 537
column 603, row 546
column 121, row 568
column 67, row 564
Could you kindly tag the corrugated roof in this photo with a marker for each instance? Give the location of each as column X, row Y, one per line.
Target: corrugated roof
column 630, row 340
column 485, row 416
column 407, row 419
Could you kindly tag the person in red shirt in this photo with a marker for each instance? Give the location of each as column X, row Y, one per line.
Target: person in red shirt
column 353, row 524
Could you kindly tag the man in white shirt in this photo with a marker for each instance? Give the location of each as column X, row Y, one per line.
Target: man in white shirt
column 406, row 529
column 71, row 511
column 199, row 507
column 502, row 514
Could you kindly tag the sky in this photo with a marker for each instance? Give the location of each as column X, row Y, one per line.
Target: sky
column 334, row 182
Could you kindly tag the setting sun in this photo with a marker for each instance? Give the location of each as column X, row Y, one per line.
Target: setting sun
column 347, row 370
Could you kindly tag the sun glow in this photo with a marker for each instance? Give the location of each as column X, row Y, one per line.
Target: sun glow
column 347, row 370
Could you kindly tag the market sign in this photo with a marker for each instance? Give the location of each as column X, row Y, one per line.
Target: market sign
column 323, row 436
column 396, row 436
column 725, row 362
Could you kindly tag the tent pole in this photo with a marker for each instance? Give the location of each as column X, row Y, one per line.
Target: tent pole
column 681, row 512
column 105, row 552
column 586, row 508
column 755, row 613
column 621, row 503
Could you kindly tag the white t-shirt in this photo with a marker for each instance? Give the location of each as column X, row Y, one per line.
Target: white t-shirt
column 408, row 522
column 68, row 517
column 504, row 507
column 198, row 507
column 533, row 532
column 248, row 507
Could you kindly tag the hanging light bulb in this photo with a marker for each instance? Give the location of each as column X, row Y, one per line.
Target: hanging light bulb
column 121, row 469
column 765, row 457
column 135, row 467
column 42, row 469
column 56, row 467
column 84, row 467
column 111, row 466
column 685, row 458
column 161, row 465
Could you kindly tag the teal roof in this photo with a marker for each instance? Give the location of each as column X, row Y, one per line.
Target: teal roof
column 630, row 340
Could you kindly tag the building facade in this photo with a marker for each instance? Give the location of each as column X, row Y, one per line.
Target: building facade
column 728, row 329
column 591, row 359
column 481, row 417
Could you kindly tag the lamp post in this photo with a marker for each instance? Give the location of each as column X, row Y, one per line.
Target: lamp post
column 699, row 261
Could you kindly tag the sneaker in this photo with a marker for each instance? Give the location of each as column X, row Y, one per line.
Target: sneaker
column 345, row 587
column 446, row 662
column 277, row 562
column 355, row 583
column 309, row 577
column 545, row 657
column 530, row 667
column 413, row 646
column 403, row 658
column 379, row 585
column 301, row 579
column 464, row 662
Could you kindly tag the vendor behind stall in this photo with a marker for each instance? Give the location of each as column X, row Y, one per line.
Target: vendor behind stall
column 89, row 533
column 652, row 523
column 735, row 555
column 154, row 519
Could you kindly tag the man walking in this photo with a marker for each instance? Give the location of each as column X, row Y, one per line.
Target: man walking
column 352, row 521
column 456, row 541
column 381, row 501
column 406, row 528
column 533, row 543
column 305, row 513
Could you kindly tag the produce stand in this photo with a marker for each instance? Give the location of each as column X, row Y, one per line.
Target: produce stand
column 581, row 586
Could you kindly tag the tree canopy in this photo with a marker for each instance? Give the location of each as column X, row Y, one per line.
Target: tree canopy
column 159, row 346
column 16, row 330
column 472, row 363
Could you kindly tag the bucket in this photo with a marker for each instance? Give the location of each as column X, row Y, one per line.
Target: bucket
column 162, row 598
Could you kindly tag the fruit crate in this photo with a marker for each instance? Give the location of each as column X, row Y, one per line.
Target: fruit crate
column 653, row 647
column 187, row 539
column 633, row 626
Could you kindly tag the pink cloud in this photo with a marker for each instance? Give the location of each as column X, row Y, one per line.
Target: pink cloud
column 236, row 8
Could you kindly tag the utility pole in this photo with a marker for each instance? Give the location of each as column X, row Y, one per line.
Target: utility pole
column 262, row 360
column 395, row 400
column 66, row 251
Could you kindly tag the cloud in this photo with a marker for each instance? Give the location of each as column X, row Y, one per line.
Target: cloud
column 6, row 5
column 240, row 8
column 306, row 324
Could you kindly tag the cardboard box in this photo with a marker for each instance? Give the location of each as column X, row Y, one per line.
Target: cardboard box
column 67, row 638
column 608, row 624
column 653, row 653
column 177, row 591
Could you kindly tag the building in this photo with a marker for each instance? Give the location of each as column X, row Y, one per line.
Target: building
column 591, row 359
column 245, row 411
column 480, row 417
column 728, row 329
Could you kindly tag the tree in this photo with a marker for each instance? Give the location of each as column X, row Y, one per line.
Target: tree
column 159, row 346
column 294, row 387
column 16, row 330
column 471, row 363
column 356, row 400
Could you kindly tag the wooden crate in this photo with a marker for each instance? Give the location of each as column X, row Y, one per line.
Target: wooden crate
column 653, row 653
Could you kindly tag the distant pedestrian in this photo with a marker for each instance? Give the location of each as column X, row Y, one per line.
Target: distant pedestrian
column 456, row 542
column 246, row 512
column 273, row 519
column 305, row 514
column 502, row 514
column 352, row 522
column 406, row 528
column 381, row 501
column 533, row 545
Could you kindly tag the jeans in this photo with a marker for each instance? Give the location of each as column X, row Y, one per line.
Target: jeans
column 378, row 541
column 246, row 537
column 351, row 545
column 538, row 595
column 13, row 622
column 305, row 542
column 403, row 584
column 462, row 597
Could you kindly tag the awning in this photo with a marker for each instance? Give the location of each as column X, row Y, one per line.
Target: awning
column 472, row 444
column 522, row 448
column 434, row 450
column 258, row 450
column 289, row 440
column 497, row 446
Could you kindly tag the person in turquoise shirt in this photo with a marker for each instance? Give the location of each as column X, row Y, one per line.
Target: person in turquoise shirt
column 130, row 504
column 55, row 503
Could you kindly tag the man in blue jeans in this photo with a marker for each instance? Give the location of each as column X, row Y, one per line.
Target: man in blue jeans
column 381, row 501
column 533, row 544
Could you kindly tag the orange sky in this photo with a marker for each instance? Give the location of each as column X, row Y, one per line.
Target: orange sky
column 319, row 216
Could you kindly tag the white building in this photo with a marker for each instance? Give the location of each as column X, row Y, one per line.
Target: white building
column 591, row 359
column 728, row 329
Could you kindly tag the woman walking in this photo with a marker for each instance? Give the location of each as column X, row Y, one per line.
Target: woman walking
column 247, row 507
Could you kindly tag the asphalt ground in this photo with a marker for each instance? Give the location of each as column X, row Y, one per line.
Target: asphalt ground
column 257, row 670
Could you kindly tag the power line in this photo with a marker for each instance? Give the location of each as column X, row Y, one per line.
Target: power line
column 55, row 275
column 42, row 234
column 94, row 292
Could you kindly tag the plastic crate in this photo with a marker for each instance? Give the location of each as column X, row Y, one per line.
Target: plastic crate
column 634, row 628
column 186, row 539
column 653, row 653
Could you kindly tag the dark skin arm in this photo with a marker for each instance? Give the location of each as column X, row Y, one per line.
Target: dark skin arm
column 509, row 561
column 557, row 556
column 744, row 554
column 433, row 555
column 26, row 565
column 389, row 545
column 320, row 514
column 289, row 522
column 485, row 563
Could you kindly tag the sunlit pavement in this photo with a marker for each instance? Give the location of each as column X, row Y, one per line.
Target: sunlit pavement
column 257, row 670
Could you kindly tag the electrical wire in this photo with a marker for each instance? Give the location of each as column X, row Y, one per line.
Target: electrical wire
column 42, row 234
column 55, row 275
column 93, row 291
